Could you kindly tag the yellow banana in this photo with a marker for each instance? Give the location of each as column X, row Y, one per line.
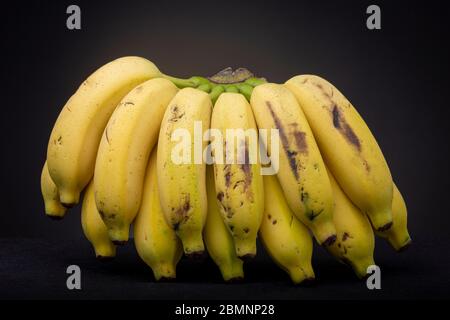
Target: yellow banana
column 74, row 141
column 355, row 239
column 123, row 154
column 239, row 187
column 181, row 180
column 218, row 239
column 156, row 243
column 94, row 228
column 302, row 173
column 398, row 235
column 285, row 238
column 53, row 207
column 348, row 147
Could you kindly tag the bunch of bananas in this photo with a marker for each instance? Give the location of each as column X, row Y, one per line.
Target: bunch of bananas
column 116, row 136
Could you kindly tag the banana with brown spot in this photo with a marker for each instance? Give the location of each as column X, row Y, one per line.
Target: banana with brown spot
column 285, row 238
column 75, row 138
column 181, row 180
column 122, row 158
column 218, row 240
column 302, row 173
column 355, row 241
column 155, row 241
column 238, row 180
column 348, row 147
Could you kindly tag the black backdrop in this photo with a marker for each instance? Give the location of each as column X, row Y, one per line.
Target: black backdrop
column 397, row 77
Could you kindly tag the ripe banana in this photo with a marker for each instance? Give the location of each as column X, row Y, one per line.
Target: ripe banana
column 398, row 235
column 239, row 186
column 156, row 243
column 94, row 228
column 124, row 151
column 53, row 207
column 302, row 173
column 74, row 141
column 285, row 238
column 181, row 181
column 348, row 147
column 355, row 241
column 218, row 239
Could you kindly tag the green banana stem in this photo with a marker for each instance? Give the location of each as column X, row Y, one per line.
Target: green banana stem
column 206, row 87
column 246, row 90
column 255, row 81
column 240, row 80
column 180, row 83
column 216, row 92
column 231, row 88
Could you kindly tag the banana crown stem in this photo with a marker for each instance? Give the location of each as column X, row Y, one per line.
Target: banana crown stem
column 240, row 80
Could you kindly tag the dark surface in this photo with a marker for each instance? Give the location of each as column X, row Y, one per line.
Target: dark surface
column 36, row 269
column 397, row 77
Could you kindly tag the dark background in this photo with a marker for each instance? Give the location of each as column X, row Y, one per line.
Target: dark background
column 397, row 77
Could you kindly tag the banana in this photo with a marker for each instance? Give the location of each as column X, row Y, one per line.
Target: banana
column 348, row 147
column 74, row 140
column 181, row 181
column 285, row 238
column 94, row 228
column 123, row 154
column 239, row 187
column 53, row 207
column 156, row 243
column 218, row 239
column 302, row 173
column 355, row 242
column 398, row 235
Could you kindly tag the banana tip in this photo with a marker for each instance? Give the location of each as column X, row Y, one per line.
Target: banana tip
column 405, row 246
column 247, row 257
column 386, row 227
column 308, row 282
column 196, row 255
column 119, row 242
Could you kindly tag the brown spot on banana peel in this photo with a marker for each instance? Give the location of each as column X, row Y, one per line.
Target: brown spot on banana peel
column 237, row 183
column 312, row 215
column 106, row 135
column 182, row 212
column 246, row 168
column 176, row 115
column 346, row 236
column 342, row 126
column 284, row 141
column 300, row 139
column 220, row 196
column 227, row 175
